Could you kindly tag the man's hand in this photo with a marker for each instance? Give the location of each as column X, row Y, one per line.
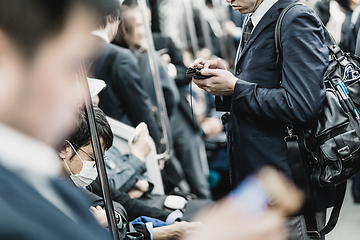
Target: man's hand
column 212, row 64
column 100, row 215
column 226, row 221
column 220, row 82
column 176, row 230
column 141, row 147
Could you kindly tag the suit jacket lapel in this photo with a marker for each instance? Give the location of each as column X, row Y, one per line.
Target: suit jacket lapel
column 270, row 16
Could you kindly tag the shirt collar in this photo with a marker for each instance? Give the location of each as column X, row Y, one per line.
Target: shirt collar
column 26, row 155
column 101, row 35
column 261, row 11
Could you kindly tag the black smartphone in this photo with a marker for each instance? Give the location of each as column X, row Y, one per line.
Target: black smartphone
column 194, row 72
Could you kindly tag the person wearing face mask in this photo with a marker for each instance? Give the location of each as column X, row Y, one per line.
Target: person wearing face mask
column 88, row 172
column 78, row 165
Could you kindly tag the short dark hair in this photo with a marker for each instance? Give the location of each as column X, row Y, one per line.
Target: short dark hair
column 81, row 136
column 112, row 9
column 29, row 22
column 344, row 4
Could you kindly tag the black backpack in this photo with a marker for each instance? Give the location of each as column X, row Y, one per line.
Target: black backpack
column 332, row 142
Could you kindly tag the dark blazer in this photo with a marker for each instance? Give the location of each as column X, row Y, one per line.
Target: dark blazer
column 25, row 214
column 162, row 42
column 124, row 97
column 264, row 103
column 134, row 207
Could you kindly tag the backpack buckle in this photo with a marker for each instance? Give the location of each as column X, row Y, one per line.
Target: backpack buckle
column 313, row 234
column 335, row 50
column 290, row 131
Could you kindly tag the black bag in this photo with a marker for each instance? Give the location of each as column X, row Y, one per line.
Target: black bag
column 333, row 141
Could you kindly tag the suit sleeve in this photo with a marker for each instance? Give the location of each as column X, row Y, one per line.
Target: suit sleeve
column 130, row 90
column 134, row 207
column 305, row 58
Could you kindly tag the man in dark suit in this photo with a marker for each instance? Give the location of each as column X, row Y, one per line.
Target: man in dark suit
column 124, row 98
column 41, row 45
column 263, row 102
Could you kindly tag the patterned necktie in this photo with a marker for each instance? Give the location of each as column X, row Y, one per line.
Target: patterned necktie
column 247, row 31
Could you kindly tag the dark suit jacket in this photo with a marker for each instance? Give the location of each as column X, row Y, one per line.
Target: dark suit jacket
column 124, row 97
column 134, row 207
column 25, row 214
column 162, row 42
column 262, row 106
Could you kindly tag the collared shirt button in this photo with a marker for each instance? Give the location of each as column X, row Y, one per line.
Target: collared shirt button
column 238, row 71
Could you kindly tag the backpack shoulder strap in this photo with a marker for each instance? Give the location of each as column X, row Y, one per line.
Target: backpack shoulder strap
column 294, row 155
column 329, row 39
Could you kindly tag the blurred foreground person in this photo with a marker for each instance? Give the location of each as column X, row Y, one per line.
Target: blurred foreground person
column 41, row 45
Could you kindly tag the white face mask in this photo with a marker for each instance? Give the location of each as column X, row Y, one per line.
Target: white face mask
column 87, row 174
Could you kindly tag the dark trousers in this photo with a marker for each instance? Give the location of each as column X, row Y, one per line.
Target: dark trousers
column 189, row 149
column 297, row 228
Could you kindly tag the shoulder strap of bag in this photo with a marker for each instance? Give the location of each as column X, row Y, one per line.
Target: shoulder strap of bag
column 329, row 40
column 293, row 149
column 300, row 178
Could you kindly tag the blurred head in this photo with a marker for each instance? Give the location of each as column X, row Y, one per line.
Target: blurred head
column 131, row 31
column 110, row 19
column 348, row 5
column 77, row 149
column 41, row 45
column 245, row 6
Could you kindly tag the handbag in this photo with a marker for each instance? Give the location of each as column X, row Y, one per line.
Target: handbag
column 332, row 142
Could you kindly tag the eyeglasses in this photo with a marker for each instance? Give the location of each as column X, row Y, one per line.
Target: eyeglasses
column 105, row 157
column 117, row 19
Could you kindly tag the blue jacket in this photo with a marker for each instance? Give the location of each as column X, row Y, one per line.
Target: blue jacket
column 25, row 214
column 263, row 103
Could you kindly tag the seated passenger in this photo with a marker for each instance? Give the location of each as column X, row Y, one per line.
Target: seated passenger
column 78, row 163
column 125, row 171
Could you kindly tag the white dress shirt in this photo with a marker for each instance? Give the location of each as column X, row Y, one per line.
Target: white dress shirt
column 261, row 11
column 101, row 35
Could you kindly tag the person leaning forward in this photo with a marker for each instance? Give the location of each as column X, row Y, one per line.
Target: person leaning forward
column 41, row 45
column 262, row 102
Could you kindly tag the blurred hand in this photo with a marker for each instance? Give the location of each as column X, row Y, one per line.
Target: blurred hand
column 142, row 185
column 226, row 221
column 176, row 230
column 139, row 189
column 100, row 215
column 141, row 147
column 165, row 59
column 229, row 27
column 212, row 126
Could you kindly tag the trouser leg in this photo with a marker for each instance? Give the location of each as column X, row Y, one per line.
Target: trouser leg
column 188, row 151
column 297, row 228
